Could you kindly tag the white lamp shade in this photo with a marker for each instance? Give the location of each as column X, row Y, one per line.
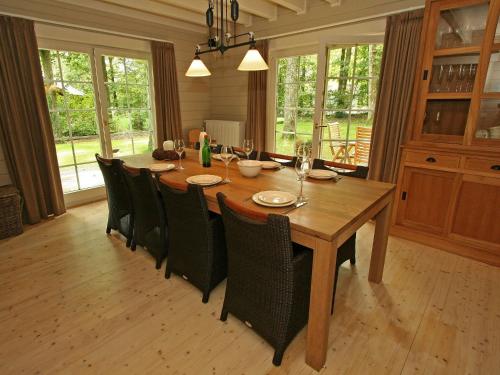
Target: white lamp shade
column 197, row 68
column 253, row 61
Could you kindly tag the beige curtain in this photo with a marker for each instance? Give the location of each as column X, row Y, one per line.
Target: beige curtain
column 167, row 103
column 394, row 103
column 25, row 128
column 256, row 102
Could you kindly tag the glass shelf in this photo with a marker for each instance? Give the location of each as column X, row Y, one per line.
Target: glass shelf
column 446, row 116
column 492, row 83
column 488, row 125
column 453, row 74
column 461, row 27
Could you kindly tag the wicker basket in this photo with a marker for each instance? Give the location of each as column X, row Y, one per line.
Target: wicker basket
column 11, row 223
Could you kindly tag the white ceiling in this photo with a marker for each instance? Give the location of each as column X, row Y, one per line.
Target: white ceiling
column 193, row 11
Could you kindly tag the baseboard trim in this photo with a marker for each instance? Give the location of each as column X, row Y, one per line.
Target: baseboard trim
column 79, row 198
column 446, row 244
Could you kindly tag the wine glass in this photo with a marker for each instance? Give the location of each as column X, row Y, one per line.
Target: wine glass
column 440, row 76
column 450, row 76
column 461, row 76
column 179, row 149
column 226, row 154
column 247, row 147
column 302, row 168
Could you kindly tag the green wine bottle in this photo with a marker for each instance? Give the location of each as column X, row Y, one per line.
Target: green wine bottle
column 206, row 156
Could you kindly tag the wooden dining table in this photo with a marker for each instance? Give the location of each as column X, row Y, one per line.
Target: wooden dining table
column 335, row 211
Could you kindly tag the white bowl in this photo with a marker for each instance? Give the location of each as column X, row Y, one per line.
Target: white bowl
column 249, row 168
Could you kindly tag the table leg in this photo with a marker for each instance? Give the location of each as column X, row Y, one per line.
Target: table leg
column 323, row 273
column 382, row 225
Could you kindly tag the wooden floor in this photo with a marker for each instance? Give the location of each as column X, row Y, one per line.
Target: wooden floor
column 76, row 301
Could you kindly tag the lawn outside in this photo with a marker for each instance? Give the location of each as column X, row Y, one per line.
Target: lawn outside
column 89, row 173
column 284, row 144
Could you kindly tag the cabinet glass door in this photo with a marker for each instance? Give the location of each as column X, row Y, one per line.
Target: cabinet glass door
column 461, row 27
column 488, row 120
column 452, row 65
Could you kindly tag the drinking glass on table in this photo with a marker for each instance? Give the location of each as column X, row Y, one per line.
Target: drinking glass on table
column 247, row 147
column 226, row 154
column 302, row 167
column 179, row 149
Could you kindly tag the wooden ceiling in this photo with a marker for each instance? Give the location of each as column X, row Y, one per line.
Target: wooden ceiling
column 193, row 11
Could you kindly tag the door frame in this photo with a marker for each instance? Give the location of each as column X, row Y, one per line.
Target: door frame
column 84, row 196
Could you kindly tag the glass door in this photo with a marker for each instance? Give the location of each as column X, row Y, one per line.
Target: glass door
column 487, row 127
column 451, row 68
column 350, row 93
column 295, row 101
column 71, row 98
column 126, row 104
column 98, row 103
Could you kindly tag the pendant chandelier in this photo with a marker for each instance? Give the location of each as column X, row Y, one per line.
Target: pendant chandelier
column 223, row 40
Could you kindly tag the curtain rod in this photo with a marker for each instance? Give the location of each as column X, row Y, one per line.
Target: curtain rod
column 341, row 23
column 84, row 28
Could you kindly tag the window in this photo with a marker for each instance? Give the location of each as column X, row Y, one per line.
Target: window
column 295, row 100
column 74, row 87
column 349, row 103
column 71, row 100
column 129, row 108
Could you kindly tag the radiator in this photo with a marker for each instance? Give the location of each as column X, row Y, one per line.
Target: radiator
column 224, row 132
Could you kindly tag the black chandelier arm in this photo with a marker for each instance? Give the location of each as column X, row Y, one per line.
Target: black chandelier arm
column 224, row 48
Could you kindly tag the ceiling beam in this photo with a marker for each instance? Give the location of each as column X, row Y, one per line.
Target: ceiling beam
column 261, row 8
column 132, row 13
column 165, row 10
column 298, row 6
column 200, row 6
column 334, row 3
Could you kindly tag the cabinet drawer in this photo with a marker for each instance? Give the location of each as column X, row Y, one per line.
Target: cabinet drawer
column 432, row 159
column 483, row 165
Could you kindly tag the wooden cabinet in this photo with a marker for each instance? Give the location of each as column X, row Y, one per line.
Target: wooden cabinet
column 425, row 199
column 477, row 211
column 449, row 174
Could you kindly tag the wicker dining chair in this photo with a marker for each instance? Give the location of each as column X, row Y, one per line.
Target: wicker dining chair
column 348, row 249
column 120, row 209
column 285, row 160
column 150, row 225
column 197, row 247
column 269, row 277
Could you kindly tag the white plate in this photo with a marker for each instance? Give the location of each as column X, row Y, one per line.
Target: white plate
column 204, row 179
column 274, row 198
column 322, row 174
column 270, row 164
column 161, row 167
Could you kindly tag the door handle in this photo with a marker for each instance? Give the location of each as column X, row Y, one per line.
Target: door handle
column 430, row 159
column 495, row 167
column 319, row 126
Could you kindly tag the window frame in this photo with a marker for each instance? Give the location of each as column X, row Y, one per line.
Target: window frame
column 94, row 53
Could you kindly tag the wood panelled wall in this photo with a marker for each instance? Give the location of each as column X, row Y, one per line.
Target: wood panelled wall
column 228, row 86
column 4, row 174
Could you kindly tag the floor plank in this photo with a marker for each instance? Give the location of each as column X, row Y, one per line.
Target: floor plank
column 74, row 300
